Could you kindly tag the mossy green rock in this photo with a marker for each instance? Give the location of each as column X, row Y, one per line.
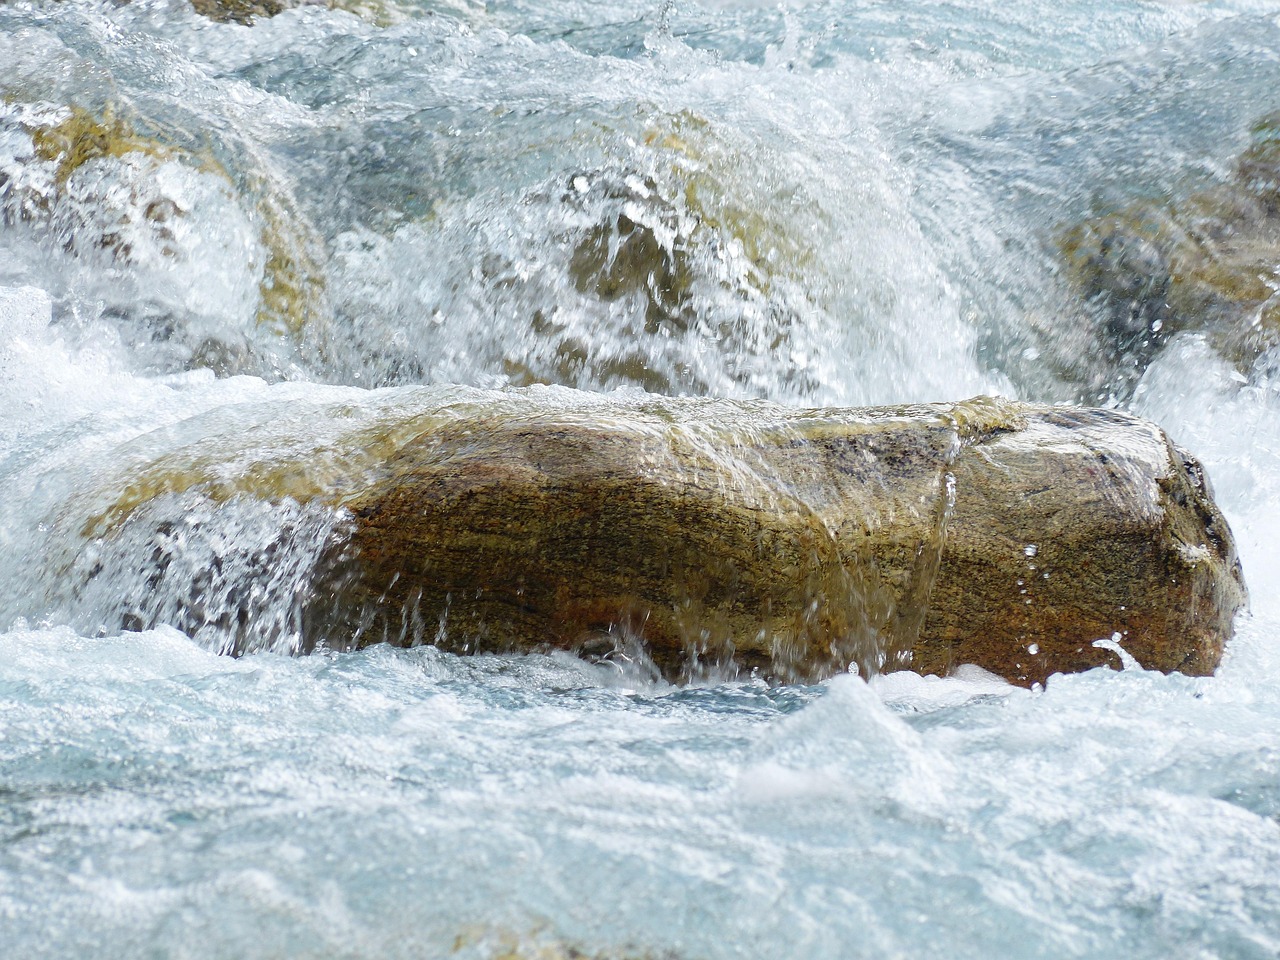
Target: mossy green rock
column 791, row 543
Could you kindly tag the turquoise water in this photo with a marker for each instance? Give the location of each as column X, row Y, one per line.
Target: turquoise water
column 853, row 203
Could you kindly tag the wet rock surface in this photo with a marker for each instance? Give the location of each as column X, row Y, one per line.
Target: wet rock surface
column 242, row 11
column 794, row 544
column 718, row 538
column 248, row 12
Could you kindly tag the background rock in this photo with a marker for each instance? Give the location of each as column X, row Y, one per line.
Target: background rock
column 1208, row 263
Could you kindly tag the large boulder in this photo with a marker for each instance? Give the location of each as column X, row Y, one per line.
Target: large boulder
column 707, row 536
column 792, row 543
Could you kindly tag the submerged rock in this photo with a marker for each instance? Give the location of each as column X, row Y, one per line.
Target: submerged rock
column 710, row 535
column 538, row 944
column 380, row 12
column 242, row 11
column 1209, row 263
column 665, row 256
column 129, row 195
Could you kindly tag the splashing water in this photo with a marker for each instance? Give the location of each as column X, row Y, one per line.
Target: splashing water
column 212, row 228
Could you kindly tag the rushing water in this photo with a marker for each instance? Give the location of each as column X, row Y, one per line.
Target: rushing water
column 842, row 202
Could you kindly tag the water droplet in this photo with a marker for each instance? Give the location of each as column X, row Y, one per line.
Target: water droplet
column 1033, row 649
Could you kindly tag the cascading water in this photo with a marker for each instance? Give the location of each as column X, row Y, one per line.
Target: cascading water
column 279, row 233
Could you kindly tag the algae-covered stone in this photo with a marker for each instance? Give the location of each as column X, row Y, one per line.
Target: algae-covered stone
column 750, row 537
column 1208, row 263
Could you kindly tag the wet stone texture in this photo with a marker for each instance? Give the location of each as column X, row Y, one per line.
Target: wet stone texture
column 747, row 537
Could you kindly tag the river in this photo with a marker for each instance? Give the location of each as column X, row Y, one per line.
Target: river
column 829, row 203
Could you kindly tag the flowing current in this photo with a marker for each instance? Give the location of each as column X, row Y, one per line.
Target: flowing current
column 216, row 228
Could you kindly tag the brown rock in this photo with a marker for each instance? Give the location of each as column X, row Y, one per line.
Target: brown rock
column 790, row 542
